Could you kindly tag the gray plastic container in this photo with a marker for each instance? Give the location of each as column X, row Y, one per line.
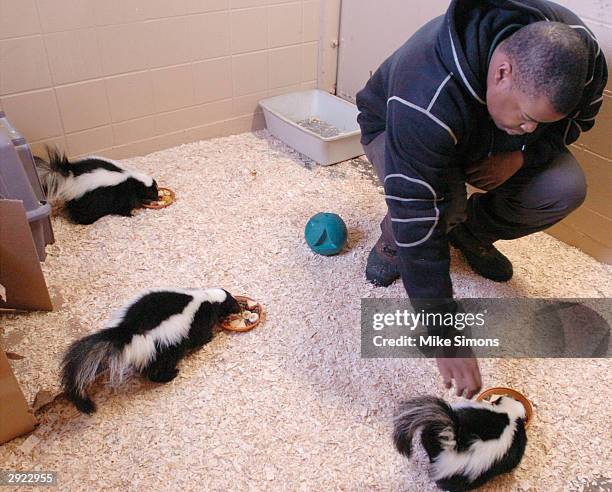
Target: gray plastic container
column 283, row 113
column 19, row 181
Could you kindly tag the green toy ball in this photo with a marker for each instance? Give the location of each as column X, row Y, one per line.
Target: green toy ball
column 326, row 233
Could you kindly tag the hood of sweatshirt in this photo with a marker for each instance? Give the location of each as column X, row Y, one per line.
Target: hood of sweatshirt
column 473, row 28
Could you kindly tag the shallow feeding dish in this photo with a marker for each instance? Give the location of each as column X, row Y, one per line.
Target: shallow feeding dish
column 501, row 391
column 251, row 315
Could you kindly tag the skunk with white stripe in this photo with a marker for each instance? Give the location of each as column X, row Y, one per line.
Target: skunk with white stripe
column 93, row 187
column 467, row 443
column 147, row 336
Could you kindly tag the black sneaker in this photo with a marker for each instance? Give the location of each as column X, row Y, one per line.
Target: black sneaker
column 484, row 258
column 382, row 268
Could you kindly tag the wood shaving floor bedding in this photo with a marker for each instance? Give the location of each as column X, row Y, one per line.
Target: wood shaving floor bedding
column 290, row 405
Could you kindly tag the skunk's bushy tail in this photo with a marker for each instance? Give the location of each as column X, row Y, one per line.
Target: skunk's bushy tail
column 420, row 412
column 83, row 361
column 52, row 174
column 58, row 162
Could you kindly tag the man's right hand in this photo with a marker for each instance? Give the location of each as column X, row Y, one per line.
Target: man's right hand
column 465, row 373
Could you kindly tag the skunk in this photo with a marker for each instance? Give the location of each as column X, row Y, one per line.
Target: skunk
column 93, row 187
column 467, row 443
column 149, row 336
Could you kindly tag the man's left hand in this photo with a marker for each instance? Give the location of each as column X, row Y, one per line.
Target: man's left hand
column 491, row 172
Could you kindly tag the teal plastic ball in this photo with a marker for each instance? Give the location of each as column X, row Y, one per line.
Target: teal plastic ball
column 326, row 233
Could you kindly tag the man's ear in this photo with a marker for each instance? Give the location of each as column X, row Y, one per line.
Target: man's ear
column 503, row 73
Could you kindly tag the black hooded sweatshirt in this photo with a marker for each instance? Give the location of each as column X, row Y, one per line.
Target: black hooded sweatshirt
column 430, row 96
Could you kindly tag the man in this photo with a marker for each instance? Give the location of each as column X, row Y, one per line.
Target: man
column 491, row 94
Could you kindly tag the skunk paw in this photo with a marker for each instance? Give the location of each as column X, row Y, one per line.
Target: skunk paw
column 163, row 377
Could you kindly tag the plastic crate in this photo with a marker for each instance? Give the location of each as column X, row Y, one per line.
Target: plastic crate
column 287, row 117
column 19, row 181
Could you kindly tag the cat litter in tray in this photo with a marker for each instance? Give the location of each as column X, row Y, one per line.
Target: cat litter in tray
column 315, row 123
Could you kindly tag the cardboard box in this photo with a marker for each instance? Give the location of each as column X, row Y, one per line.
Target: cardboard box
column 23, row 286
column 20, row 271
column 598, row 139
column 16, row 418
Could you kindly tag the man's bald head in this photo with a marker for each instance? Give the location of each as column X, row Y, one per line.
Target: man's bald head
column 549, row 59
column 535, row 76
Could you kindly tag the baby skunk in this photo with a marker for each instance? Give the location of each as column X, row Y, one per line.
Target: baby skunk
column 149, row 336
column 467, row 443
column 93, row 187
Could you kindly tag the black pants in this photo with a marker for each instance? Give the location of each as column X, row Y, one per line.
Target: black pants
column 533, row 199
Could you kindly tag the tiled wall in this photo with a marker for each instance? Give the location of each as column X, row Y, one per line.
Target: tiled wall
column 127, row 77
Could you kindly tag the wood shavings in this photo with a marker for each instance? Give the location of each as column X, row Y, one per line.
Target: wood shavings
column 43, row 397
column 13, row 338
column 56, row 298
column 29, row 444
column 269, row 473
column 290, row 397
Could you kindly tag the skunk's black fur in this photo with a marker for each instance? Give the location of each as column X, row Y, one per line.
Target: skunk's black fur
column 468, row 444
column 148, row 336
column 94, row 187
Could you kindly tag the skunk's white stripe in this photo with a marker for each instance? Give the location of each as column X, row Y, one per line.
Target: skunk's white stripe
column 144, row 178
column 476, row 460
column 73, row 187
column 509, row 406
column 481, row 455
column 100, row 158
column 141, row 349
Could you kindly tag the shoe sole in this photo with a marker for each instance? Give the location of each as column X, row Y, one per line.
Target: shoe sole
column 378, row 283
column 475, row 268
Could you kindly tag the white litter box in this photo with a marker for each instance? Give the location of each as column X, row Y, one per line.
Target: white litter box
column 315, row 123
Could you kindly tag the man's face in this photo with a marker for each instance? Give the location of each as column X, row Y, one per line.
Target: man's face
column 512, row 110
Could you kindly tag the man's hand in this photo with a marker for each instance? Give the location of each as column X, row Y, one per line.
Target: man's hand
column 491, row 172
column 465, row 372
